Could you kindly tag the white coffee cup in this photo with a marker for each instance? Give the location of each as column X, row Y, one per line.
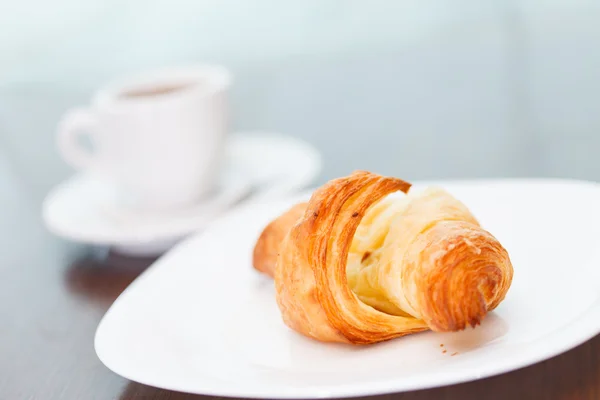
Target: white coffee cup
column 158, row 136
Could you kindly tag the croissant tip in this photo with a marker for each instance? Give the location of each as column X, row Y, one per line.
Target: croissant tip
column 460, row 322
column 475, row 322
column 456, row 327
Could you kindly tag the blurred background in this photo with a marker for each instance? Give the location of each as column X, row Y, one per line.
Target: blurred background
column 418, row 89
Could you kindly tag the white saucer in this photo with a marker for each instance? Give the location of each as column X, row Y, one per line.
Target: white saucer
column 257, row 166
column 202, row 320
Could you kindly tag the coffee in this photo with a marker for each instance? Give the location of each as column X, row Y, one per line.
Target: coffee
column 154, row 91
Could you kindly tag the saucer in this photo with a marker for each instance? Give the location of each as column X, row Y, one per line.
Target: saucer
column 258, row 166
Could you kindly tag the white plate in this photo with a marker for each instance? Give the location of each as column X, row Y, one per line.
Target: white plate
column 86, row 209
column 201, row 320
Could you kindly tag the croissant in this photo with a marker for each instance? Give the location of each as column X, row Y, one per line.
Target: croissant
column 266, row 249
column 355, row 265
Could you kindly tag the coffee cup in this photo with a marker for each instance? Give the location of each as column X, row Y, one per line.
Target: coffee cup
column 158, row 136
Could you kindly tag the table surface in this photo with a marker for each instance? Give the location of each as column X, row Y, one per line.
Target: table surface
column 54, row 293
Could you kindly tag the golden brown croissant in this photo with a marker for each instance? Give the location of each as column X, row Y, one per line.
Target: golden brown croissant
column 266, row 249
column 359, row 267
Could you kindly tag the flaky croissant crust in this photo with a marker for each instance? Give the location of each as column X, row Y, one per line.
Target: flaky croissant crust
column 453, row 280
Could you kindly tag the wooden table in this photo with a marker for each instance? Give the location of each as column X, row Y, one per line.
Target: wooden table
column 53, row 294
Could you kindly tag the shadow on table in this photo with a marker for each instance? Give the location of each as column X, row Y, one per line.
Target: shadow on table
column 101, row 280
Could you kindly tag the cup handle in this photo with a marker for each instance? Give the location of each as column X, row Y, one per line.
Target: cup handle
column 75, row 123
